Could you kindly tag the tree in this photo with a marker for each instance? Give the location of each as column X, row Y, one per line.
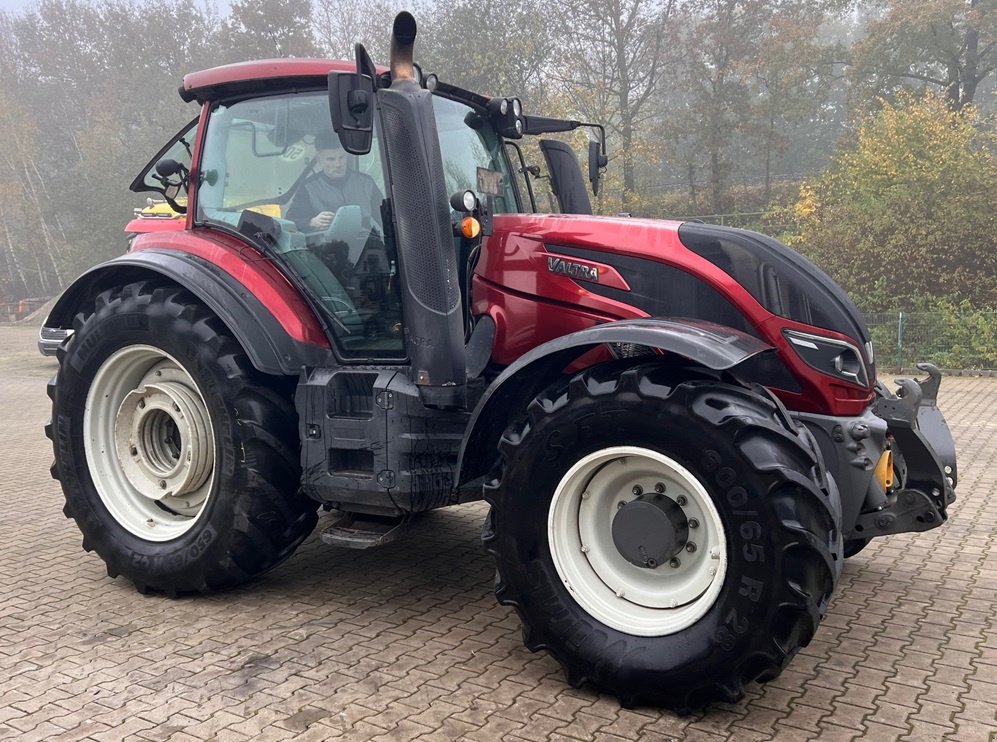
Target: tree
column 264, row 29
column 790, row 81
column 490, row 47
column 905, row 210
column 750, row 68
column 82, row 113
column 613, row 57
column 949, row 45
column 340, row 24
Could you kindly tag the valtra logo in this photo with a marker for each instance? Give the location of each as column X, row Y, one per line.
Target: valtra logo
column 572, row 269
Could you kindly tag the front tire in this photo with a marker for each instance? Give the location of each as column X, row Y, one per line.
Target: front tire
column 717, row 577
column 177, row 460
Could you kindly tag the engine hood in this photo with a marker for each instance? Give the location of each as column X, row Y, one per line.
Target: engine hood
column 759, row 275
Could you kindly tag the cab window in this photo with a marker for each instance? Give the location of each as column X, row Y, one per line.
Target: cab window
column 467, row 143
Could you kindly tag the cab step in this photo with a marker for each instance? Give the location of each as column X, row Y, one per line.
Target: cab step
column 356, row 531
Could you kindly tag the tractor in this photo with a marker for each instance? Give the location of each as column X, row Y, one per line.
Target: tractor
column 677, row 426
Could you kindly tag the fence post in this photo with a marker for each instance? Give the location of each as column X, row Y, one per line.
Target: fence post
column 900, row 341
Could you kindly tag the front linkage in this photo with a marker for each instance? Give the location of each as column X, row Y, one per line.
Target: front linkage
column 922, row 437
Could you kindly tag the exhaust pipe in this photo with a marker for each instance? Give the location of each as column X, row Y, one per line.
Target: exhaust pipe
column 403, row 32
column 427, row 260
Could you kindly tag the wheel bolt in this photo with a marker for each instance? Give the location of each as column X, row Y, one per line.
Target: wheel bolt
column 141, row 404
column 133, row 451
column 162, row 484
column 637, row 490
column 693, row 523
column 651, row 564
column 681, row 500
column 659, row 487
column 690, row 547
column 675, row 563
column 620, row 505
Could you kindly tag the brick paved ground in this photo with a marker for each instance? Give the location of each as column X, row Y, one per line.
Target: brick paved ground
column 407, row 642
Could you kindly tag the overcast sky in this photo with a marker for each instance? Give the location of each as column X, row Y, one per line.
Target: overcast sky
column 19, row 5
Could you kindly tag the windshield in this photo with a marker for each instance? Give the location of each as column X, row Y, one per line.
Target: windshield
column 468, row 142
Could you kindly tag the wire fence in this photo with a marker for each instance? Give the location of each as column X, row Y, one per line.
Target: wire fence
column 951, row 340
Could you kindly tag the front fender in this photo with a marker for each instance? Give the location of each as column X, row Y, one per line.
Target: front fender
column 716, row 347
column 270, row 348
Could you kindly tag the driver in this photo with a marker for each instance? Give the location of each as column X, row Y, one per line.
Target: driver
column 335, row 185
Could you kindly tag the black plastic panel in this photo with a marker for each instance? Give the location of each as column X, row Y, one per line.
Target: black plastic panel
column 661, row 290
column 779, row 278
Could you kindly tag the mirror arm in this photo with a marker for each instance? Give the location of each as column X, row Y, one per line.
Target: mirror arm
column 526, row 171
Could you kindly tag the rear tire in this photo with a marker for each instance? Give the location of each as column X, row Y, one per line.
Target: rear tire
column 177, row 459
column 694, row 629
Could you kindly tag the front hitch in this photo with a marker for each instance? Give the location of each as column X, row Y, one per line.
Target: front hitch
column 922, row 440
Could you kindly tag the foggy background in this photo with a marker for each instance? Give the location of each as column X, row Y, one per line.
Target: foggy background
column 860, row 132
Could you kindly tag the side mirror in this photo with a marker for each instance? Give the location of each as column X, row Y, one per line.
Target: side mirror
column 165, row 170
column 597, row 161
column 351, row 104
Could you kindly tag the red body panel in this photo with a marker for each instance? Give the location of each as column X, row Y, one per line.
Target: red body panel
column 531, row 304
column 247, row 266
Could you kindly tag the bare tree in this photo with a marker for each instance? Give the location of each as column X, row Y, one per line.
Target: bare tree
column 340, row 24
column 947, row 44
column 614, row 56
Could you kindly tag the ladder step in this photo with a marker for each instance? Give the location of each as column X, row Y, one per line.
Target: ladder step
column 354, row 531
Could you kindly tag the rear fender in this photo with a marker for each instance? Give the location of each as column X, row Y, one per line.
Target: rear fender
column 712, row 346
column 269, row 346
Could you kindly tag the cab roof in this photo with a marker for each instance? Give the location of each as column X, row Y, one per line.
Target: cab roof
column 259, row 76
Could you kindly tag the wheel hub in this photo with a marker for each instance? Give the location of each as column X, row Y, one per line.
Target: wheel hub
column 161, row 435
column 150, row 444
column 650, row 530
column 646, row 564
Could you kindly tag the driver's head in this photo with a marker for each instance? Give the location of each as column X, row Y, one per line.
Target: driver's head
column 330, row 156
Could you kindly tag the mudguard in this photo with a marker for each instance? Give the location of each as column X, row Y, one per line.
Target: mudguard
column 714, row 346
column 269, row 347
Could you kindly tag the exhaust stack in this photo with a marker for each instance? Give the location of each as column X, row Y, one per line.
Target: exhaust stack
column 430, row 284
column 403, row 32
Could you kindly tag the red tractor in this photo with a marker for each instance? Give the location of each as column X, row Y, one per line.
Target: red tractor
column 677, row 425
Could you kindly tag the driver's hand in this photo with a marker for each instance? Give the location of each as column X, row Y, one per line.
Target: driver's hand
column 322, row 220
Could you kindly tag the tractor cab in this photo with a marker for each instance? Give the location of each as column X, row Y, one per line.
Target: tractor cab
column 255, row 173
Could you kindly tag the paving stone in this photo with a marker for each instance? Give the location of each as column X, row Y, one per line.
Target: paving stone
column 408, row 642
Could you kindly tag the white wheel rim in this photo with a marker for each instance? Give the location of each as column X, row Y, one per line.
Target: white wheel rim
column 633, row 599
column 149, row 443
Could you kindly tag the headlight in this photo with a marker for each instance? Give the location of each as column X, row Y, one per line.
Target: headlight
column 830, row 356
